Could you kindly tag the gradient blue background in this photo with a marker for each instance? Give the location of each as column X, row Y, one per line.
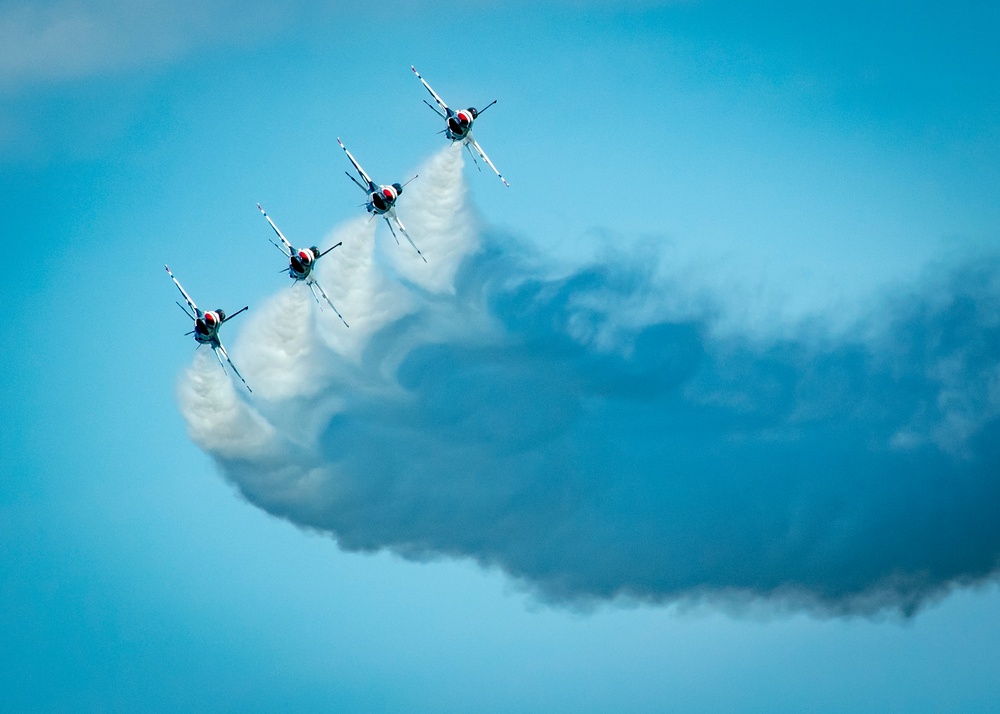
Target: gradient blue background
column 799, row 161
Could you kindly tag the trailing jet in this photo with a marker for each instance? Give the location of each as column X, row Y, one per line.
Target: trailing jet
column 301, row 263
column 458, row 125
column 206, row 327
column 381, row 199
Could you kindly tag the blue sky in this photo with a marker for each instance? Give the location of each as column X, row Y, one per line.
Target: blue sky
column 801, row 176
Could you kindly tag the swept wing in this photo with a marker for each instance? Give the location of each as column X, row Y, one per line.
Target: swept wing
column 357, row 166
column 187, row 297
column 217, row 348
column 479, row 150
column 287, row 249
column 313, row 283
column 434, row 94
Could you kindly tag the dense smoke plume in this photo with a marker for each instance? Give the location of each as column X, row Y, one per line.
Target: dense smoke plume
column 594, row 446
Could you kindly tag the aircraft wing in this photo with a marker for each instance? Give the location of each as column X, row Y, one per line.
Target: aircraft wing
column 337, row 245
column 187, row 297
column 433, row 93
column 242, row 309
column 357, row 166
column 219, row 348
column 402, row 229
column 288, row 246
column 313, row 283
column 479, row 150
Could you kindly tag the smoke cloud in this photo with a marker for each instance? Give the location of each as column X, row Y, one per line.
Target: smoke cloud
column 595, row 444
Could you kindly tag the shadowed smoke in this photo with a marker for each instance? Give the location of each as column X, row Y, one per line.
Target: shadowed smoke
column 522, row 421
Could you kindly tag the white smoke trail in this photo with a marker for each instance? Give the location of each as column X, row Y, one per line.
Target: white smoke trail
column 488, row 411
column 437, row 215
column 287, row 357
column 277, row 348
column 218, row 420
column 359, row 288
column 302, row 370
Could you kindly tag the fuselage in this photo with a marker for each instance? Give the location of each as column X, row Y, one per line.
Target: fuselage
column 460, row 123
column 206, row 327
column 301, row 262
column 383, row 198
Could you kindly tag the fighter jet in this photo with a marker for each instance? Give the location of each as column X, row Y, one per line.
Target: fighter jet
column 301, row 263
column 206, row 327
column 381, row 199
column 458, row 125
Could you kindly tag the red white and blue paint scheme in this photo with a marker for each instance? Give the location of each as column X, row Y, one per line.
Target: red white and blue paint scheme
column 301, row 262
column 381, row 199
column 458, row 125
column 206, row 327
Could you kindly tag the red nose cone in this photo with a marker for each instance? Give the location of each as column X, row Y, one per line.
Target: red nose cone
column 304, row 257
column 387, row 192
column 210, row 317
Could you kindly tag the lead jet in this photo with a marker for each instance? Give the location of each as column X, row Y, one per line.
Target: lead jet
column 381, row 199
column 206, row 327
column 301, row 263
column 458, row 125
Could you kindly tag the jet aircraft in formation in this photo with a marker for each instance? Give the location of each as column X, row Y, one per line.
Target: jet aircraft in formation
column 458, row 124
column 206, row 327
column 381, row 201
column 301, row 263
